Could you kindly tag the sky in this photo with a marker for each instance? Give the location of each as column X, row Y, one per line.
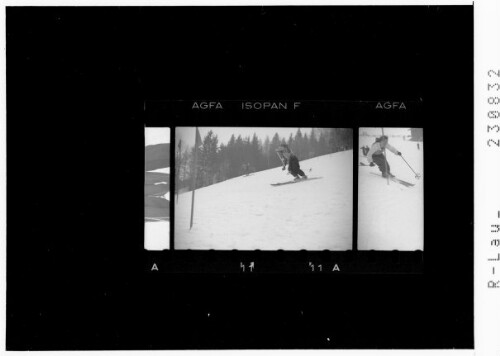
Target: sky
column 389, row 131
column 156, row 135
column 187, row 134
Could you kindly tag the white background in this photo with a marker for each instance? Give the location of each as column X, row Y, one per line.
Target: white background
column 487, row 178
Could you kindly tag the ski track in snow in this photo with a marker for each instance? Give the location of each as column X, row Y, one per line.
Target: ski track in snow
column 390, row 217
column 247, row 213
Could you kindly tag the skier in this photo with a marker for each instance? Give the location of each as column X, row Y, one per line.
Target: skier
column 293, row 162
column 376, row 155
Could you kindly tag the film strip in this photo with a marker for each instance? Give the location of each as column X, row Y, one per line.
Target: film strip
column 284, row 187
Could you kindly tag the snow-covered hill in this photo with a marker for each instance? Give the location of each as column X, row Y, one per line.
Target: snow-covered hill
column 247, row 213
column 390, row 217
column 157, row 235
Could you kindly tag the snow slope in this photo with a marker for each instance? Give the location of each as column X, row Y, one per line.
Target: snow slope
column 247, row 213
column 390, row 217
column 156, row 235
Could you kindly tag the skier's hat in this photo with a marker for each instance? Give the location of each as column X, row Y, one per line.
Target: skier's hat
column 283, row 148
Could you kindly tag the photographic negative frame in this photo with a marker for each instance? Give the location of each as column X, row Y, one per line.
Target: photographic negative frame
column 386, row 211
column 260, row 188
column 157, row 186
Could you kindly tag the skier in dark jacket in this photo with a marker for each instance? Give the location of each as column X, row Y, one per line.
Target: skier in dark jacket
column 292, row 161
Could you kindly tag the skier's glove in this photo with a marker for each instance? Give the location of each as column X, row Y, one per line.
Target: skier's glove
column 399, row 153
column 372, row 164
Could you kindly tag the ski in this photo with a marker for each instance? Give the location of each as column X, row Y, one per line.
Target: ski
column 396, row 180
column 294, row 181
column 405, row 183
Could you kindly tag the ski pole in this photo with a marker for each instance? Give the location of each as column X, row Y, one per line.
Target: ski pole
column 416, row 174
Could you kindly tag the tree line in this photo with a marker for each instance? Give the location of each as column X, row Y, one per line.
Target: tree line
column 244, row 155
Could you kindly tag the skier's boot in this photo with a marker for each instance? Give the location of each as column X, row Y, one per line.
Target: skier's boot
column 304, row 177
column 296, row 179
